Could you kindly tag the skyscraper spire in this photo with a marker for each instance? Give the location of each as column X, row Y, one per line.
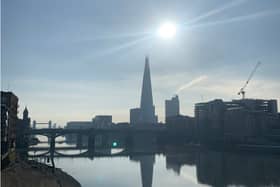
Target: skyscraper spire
column 146, row 113
column 147, row 106
column 146, row 95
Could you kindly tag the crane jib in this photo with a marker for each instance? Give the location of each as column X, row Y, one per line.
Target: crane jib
column 242, row 91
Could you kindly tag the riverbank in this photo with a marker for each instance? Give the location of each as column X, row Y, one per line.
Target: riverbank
column 34, row 174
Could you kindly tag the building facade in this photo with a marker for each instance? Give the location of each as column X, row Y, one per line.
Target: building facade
column 172, row 107
column 102, row 121
column 9, row 119
column 245, row 120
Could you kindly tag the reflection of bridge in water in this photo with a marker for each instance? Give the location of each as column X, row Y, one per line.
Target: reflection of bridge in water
column 137, row 144
column 124, row 138
column 85, row 153
column 34, row 152
column 215, row 168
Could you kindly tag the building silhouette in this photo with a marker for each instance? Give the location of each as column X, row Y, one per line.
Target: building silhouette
column 9, row 120
column 146, row 113
column 102, row 121
column 175, row 122
column 245, row 120
column 172, row 107
column 22, row 125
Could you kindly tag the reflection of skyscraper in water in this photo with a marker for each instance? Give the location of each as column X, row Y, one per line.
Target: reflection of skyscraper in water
column 147, row 168
column 175, row 161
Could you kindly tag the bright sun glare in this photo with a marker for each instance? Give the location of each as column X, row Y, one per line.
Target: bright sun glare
column 167, row 30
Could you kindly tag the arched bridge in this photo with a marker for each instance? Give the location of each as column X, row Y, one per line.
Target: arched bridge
column 129, row 135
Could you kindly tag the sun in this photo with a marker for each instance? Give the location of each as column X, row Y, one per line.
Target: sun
column 167, row 30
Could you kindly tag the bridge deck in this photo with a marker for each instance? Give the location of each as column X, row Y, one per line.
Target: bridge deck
column 95, row 131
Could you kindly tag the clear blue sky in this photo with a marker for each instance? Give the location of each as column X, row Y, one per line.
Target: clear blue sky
column 73, row 59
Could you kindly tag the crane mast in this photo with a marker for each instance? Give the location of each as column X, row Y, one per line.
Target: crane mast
column 242, row 90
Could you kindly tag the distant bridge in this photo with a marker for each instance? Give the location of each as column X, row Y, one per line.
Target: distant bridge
column 129, row 135
column 61, row 131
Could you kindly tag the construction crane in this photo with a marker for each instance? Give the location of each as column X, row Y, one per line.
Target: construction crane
column 242, row 90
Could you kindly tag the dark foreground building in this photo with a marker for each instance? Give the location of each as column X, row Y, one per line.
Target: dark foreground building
column 9, row 105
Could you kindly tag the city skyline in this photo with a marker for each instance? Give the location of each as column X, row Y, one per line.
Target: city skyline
column 66, row 66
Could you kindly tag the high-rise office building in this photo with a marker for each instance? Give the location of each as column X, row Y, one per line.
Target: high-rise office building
column 146, row 112
column 172, row 107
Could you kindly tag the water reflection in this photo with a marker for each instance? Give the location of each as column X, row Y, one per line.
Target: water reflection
column 146, row 168
column 192, row 166
column 223, row 169
column 175, row 161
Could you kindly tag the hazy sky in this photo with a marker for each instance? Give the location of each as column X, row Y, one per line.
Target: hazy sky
column 73, row 59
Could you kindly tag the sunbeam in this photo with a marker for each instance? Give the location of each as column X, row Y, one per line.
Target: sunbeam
column 119, row 36
column 215, row 11
column 123, row 46
column 238, row 18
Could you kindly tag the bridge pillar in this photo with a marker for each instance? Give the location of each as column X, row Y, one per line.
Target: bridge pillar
column 129, row 142
column 104, row 140
column 91, row 144
column 52, row 142
column 79, row 141
column 34, row 124
column 52, row 149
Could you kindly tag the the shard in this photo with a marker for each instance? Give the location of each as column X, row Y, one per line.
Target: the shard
column 146, row 113
column 147, row 107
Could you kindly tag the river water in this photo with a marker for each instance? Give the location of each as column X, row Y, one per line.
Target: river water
column 122, row 172
column 192, row 168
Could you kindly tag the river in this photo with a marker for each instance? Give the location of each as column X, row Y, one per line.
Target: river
column 190, row 167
